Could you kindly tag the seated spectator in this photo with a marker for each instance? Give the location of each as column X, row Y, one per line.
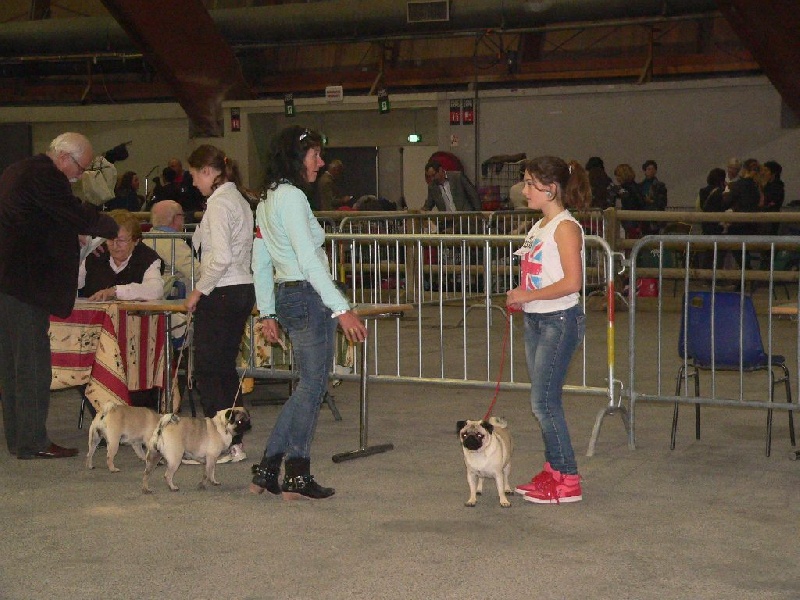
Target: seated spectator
column 128, row 270
column 167, row 216
column 126, row 194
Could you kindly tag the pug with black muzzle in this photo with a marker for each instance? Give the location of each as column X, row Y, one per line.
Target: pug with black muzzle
column 487, row 447
column 202, row 439
column 121, row 424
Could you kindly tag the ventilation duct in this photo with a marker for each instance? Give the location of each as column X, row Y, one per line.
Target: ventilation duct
column 426, row 12
column 340, row 21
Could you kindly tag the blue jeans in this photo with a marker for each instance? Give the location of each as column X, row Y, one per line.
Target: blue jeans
column 550, row 341
column 312, row 332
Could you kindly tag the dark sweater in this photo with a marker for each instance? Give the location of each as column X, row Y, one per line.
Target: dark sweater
column 40, row 221
column 100, row 275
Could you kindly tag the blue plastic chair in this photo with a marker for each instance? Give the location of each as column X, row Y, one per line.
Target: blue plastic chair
column 695, row 339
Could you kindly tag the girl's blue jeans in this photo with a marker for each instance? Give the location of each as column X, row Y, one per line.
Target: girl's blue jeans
column 550, row 341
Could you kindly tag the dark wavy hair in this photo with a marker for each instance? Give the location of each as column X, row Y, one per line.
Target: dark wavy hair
column 126, row 181
column 570, row 178
column 287, row 151
column 211, row 156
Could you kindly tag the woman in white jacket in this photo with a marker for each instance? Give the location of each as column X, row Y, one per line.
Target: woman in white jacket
column 224, row 296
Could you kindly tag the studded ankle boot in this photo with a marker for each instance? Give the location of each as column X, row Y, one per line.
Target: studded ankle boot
column 266, row 474
column 299, row 483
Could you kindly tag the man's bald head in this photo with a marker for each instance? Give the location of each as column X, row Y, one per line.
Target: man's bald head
column 163, row 214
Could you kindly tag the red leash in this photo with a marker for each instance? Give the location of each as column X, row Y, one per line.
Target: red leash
column 502, row 364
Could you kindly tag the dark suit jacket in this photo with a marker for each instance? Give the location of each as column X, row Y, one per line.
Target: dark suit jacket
column 40, row 221
column 465, row 196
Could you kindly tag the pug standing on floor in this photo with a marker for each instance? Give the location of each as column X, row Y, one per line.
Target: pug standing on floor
column 121, row 424
column 487, row 447
column 203, row 439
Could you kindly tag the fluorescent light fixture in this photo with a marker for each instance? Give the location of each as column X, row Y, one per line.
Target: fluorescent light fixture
column 414, row 138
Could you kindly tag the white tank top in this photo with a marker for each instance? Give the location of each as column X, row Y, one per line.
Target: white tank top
column 540, row 264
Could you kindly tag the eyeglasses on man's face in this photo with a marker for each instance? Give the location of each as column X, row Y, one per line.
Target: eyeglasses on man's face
column 81, row 168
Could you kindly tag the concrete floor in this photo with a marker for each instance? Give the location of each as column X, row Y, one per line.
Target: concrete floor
column 714, row 518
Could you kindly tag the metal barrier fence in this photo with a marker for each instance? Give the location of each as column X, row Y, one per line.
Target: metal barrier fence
column 175, row 238
column 449, row 340
column 711, row 325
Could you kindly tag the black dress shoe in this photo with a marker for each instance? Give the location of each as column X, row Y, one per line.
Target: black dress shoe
column 54, row 451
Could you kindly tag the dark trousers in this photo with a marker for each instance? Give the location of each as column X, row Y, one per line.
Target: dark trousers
column 25, row 374
column 219, row 322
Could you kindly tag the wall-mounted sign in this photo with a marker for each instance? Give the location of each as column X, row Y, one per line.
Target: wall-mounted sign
column 469, row 112
column 288, row 105
column 455, row 112
column 334, row 93
column 383, row 102
column 236, row 120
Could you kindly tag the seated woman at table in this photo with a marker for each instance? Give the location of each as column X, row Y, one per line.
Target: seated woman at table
column 129, row 270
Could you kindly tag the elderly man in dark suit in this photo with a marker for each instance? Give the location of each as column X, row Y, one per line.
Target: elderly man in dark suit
column 40, row 221
column 449, row 191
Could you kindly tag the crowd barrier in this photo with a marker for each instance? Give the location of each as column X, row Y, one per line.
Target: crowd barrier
column 456, row 270
column 454, row 336
column 725, row 320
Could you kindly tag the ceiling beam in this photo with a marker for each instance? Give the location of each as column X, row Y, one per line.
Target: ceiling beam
column 768, row 28
column 180, row 40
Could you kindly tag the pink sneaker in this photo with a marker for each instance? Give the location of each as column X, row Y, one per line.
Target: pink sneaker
column 537, row 482
column 560, row 489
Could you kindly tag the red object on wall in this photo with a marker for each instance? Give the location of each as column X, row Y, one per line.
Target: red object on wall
column 469, row 112
column 455, row 112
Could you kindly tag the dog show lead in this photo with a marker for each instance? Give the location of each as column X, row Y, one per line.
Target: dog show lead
column 551, row 276
column 294, row 288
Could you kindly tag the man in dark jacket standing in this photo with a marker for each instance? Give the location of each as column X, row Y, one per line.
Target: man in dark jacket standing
column 449, row 191
column 40, row 220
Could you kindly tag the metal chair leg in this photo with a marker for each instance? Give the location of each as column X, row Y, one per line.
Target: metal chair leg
column 82, row 409
column 788, row 384
column 674, row 432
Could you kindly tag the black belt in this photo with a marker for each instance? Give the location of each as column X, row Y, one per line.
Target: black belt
column 292, row 283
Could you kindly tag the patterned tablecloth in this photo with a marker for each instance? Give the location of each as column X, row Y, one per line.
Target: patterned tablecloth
column 108, row 350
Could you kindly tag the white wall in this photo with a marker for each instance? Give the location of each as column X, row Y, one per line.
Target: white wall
column 687, row 127
column 158, row 131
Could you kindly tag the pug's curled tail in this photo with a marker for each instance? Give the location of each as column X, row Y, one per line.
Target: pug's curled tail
column 158, row 431
column 498, row 422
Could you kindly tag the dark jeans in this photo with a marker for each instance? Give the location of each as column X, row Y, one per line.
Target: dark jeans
column 219, row 322
column 25, row 374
